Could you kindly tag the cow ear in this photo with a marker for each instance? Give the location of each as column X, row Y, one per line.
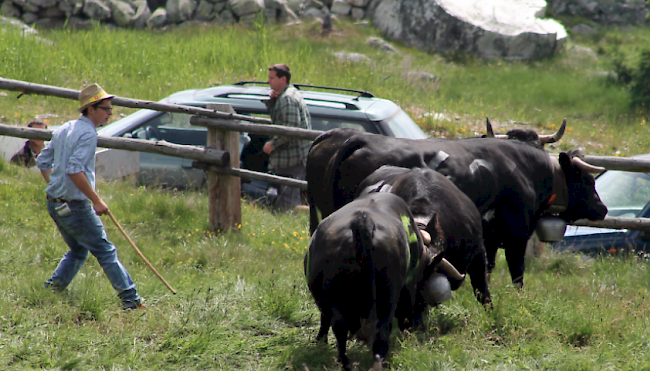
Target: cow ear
column 565, row 162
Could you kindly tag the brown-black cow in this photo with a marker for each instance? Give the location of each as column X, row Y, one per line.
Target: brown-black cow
column 512, row 183
column 428, row 193
column 364, row 261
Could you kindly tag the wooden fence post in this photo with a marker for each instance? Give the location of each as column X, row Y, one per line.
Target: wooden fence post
column 224, row 191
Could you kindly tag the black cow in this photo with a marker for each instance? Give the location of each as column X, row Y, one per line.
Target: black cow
column 428, row 193
column 512, row 183
column 364, row 260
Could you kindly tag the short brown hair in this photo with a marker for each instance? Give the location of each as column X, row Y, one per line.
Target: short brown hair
column 37, row 122
column 281, row 70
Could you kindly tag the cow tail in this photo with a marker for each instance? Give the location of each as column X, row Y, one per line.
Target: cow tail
column 363, row 230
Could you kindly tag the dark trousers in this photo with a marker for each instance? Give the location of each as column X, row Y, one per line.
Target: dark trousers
column 289, row 197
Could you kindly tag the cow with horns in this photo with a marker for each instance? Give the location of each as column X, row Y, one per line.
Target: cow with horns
column 511, row 182
column 364, row 266
column 439, row 208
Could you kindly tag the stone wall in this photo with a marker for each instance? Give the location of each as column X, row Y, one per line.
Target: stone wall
column 161, row 13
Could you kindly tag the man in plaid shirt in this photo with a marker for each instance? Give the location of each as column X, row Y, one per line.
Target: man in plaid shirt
column 287, row 157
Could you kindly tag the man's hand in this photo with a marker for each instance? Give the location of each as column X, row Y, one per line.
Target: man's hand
column 274, row 94
column 81, row 182
column 268, row 148
column 100, row 207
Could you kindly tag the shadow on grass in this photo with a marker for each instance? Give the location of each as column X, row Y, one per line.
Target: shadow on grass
column 320, row 356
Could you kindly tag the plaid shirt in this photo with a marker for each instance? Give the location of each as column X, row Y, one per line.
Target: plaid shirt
column 289, row 109
column 25, row 157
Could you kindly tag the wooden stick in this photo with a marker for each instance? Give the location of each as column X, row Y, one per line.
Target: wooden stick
column 139, row 252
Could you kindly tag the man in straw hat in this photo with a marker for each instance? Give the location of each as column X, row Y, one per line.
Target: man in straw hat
column 68, row 165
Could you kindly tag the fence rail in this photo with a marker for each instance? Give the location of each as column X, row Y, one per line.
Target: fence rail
column 218, row 161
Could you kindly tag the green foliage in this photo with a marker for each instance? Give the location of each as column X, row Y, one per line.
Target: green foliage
column 640, row 88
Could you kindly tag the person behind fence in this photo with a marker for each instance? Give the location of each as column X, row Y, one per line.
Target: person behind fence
column 33, row 147
column 287, row 157
column 68, row 165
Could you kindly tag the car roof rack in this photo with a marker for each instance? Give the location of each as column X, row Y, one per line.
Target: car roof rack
column 362, row 93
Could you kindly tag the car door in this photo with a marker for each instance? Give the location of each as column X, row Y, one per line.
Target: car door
column 169, row 171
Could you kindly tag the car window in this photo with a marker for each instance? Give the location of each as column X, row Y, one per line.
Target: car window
column 625, row 193
column 325, row 124
column 402, row 126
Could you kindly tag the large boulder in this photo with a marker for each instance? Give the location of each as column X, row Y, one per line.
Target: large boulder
column 142, row 14
column 497, row 29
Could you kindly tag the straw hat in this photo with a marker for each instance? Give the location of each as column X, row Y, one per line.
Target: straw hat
column 91, row 95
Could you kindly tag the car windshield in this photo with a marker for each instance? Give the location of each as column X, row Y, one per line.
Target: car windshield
column 403, row 126
column 625, row 193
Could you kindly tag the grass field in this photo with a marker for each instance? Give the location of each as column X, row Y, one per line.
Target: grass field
column 242, row 301
column 243, row 304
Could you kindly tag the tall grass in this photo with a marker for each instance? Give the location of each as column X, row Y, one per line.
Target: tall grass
column 243, row 303
column 151, row 65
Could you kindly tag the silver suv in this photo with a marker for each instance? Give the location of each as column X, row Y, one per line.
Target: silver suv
column 329, row 108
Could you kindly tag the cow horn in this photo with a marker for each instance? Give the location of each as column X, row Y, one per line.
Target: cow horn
column 586, row 167
column 426, row 237
column 490, row 132
column 446, row 266
column 545, row 139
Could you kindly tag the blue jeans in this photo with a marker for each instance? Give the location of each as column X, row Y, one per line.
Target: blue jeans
column 83, row 231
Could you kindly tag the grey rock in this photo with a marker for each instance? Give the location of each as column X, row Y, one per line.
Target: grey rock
column 51, row 12
column 123, row 13
column 341, row 7
column 582, row 28
column 241, row 8
column 505, row 29
column 158, row 18
column 96, row 9
column 357, row 13
column 313, row 4
column 271, row 15
column 420, row 76
column 30, row 7
column 9, row 23
column 226, row 17
column 577, row 51
column 43, row 3
column 19, row 3
column 141, row 16
column 606, row 12
column 49, row 23
column 9, row 9
column 381, row 44
column 351, row 57
column 218, row 7
column 29, row 18
column 180, row 10
column 313, row 13
column 204, row 11
column 358, row 3
column 78, row 23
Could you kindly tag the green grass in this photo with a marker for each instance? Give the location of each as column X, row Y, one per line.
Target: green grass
column 151, row 65
column 243, row 303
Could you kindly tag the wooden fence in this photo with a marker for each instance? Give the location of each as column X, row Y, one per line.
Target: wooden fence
column 220, row 157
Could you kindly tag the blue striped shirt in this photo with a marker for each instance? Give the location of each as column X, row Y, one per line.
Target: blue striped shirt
column 71, row 151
